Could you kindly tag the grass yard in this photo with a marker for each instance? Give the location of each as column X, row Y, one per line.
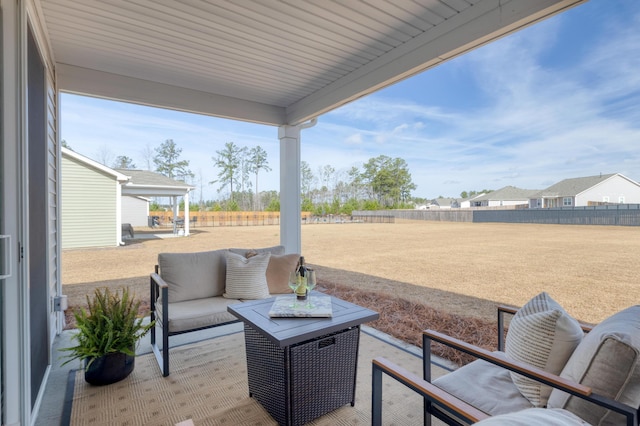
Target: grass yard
column 441, row 275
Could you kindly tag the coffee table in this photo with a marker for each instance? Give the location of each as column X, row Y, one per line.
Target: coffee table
column 302, row 368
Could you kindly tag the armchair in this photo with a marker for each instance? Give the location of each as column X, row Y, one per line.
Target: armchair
column 598, row 383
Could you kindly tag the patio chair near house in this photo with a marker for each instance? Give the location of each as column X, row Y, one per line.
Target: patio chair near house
column 127, row 229
column 551, row 370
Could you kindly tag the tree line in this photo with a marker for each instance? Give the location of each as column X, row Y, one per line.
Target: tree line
column 380, row 183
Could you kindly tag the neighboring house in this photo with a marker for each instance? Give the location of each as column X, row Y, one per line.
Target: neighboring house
column 135, row 210
column 444, row 203
column 468, row 202
column 144, row 183
column 507, row 196
column 90, row 202
column 612, row 188
column 98, row 200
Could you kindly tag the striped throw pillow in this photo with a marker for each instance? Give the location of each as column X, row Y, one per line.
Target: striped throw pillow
column 247, row 278
column 544, row 335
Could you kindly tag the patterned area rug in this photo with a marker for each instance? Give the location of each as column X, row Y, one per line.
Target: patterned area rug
column 208, row 384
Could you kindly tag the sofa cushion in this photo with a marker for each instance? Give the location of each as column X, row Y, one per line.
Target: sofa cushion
column 541, row 334
column 535, row 416
column 607, row 361
column 193, row 314
column 278, row 272
column 486, row 386
column 247, row 278
column 193, row 275
column 279, row 250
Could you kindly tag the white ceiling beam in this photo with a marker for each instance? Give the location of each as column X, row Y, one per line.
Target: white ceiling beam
column 85, row 81
column 487, row 20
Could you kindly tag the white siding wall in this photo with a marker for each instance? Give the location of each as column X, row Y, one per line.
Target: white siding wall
column 614, row 188
column 53, row 205
column 135, row 211
column 88, row 207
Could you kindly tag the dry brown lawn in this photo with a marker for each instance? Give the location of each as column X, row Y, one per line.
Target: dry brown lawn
column 441, row 275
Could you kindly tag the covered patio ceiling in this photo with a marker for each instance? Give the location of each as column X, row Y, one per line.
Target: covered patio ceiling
column 274, row 62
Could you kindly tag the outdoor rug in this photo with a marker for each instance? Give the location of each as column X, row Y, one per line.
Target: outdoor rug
column 208, row 384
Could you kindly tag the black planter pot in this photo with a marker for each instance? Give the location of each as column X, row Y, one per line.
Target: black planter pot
column 109, row 369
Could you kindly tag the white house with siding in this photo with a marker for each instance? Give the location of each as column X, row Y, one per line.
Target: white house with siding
column 507, row 196
column 91, row 197
column 612, row 188
column 135, row 210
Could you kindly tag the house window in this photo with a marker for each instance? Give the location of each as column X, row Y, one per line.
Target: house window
column 621, row 199
column 605, row 199
column 566, row 201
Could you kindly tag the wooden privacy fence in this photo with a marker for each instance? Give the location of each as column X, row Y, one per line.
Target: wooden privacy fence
column 222, row 218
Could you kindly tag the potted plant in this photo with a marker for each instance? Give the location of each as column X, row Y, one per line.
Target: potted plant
column 107, row 336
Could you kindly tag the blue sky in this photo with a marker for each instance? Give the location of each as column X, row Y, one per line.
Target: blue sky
column 557, row 100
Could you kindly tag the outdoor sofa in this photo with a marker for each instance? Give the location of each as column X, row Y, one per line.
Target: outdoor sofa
column 191, row 291
column 552, row 370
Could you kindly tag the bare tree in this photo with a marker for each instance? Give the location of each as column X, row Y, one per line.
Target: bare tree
column 104, row 155
column 147, row 154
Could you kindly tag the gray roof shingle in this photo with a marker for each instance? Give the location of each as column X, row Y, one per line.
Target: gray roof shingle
column 147, row 178
column 574, row 186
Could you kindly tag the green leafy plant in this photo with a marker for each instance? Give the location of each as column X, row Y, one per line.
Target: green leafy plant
column 111, row 325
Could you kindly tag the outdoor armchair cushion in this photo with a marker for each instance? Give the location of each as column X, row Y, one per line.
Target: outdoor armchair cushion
column 193, row 275
column 607, row 360
column 194, row 314
column 486, row 386
column 535, row 416
column 544, row 335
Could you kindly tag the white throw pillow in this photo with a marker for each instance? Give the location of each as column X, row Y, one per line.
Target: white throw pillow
column 247, row 278
column 544, row 335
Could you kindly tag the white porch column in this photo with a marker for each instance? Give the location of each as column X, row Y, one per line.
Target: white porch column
column 175, row 212
column 290, row 221
column 119, row 241
column 186, row 214
column 290, row 212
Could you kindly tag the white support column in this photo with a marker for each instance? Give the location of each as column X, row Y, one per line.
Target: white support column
column 175, row 212
column 186, row 214
column 119, row 241
column 290, row 188
column 290, row 221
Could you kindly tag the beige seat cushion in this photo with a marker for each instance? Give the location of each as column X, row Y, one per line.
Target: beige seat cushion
column 247, row 278
column 198, row 313
column 607, row 361
column 535, row 416
column 193, row 275
column 544, row 335
column 485, row 386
